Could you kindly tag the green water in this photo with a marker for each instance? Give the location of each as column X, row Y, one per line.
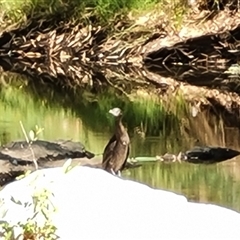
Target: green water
column 82, row 116
column 219, row 184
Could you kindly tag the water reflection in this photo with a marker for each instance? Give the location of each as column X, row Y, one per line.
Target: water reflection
column 155, row 129
column 217, row 184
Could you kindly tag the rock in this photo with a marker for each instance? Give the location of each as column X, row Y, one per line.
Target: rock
column 201, row 154
column 210, row 155
column 20, row 152
column 17, row 157
column 93, row 204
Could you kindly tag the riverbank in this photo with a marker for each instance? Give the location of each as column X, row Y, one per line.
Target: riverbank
column 102, row 12
column 141, row 48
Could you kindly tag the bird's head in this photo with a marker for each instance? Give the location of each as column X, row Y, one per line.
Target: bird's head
column 116, row 112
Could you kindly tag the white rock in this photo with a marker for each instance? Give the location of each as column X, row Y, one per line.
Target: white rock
column 93, row 204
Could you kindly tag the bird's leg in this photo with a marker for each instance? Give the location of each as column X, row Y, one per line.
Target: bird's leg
column 113, row 173
column 119, row 173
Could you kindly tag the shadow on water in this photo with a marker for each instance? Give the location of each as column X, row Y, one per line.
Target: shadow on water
column 155, row 127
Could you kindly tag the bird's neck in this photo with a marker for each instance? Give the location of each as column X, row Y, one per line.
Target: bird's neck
column 119, row 124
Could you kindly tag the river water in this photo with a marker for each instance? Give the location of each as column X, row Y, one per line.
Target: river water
column 83, row 116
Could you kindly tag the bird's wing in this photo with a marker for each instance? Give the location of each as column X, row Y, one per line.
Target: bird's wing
column 108, row 151
column 110, row 145
column 124, row 164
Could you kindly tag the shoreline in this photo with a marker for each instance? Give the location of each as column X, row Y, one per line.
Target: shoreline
column 145, row 51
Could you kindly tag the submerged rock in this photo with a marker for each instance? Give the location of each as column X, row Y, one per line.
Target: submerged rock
column 206, row 154
column 93, row 204
column 168, row 157
column 210, row 154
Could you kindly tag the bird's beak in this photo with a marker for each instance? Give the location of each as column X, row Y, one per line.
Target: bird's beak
column 113, row 112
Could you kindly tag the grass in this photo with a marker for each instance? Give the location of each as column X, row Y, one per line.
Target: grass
column 83, row 114
column 16, row 11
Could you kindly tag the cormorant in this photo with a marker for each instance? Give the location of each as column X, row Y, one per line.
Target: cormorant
column 116, row 151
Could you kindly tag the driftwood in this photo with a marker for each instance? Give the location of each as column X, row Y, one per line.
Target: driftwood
column 221, row 28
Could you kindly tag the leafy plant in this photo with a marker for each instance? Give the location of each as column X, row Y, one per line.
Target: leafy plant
column 32, row 229
column 33, row 137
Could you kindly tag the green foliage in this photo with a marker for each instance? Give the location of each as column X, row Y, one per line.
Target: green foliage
column 13, row 9
column 151, row 114
column 67, row 166
column 32, row 231
column 33, row 136
column 108, row 8
column 7, row 231
column 177, row 11
column 30, row 108
column 18, row 10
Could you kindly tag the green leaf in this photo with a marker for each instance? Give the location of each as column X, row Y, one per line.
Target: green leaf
column 67, row 166
column 31, row 135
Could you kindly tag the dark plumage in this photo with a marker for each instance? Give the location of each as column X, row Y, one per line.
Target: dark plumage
column 116, row 151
